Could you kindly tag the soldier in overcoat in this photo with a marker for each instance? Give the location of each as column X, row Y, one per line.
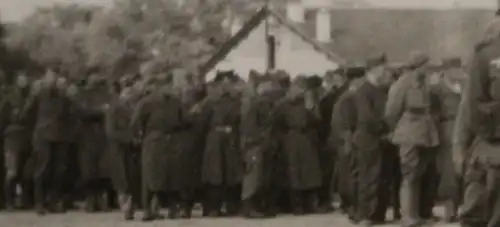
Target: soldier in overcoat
column 158, row 119
column 192, row 142
column 17, row 141
column 299, row 117
column 123, row 157
column 368, row 139
column 52, row 110
column 91, row 143
column 223, row 166
column 260, row 144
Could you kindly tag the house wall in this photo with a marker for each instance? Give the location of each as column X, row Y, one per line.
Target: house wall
column 252, row 54
column 360, row 33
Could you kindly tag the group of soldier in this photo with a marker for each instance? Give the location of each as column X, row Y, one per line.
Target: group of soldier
column 377, row 135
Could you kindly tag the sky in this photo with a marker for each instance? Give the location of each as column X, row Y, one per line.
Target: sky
column 14, row 10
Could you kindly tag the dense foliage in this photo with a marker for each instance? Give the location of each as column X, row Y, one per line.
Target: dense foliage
column 152, row 36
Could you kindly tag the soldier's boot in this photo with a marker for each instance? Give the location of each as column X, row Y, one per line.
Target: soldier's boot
column 127, row 207
column 39, row 197
column 90, row 203
column 103, row 202
column 186, row 209
column 10, row 192
column 155, row 207
column 251, row 210
column 296, row 201
column 309, row 202
column 60, row 206
column 409, row 204
column 232, row 208
column 27, row 195
column 450, row 211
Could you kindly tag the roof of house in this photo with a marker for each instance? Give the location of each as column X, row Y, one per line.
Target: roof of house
column 252, row 23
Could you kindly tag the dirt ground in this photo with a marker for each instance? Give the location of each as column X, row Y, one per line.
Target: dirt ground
column 115, row 219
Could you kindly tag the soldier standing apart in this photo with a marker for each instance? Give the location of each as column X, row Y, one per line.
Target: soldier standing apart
column 411, row 113
column 52, row 109
column 477, row 134
column 124, row 158
column 449, row 90
column 17, row 141
column 222, row 167
column 158, row 119
column 370, row 127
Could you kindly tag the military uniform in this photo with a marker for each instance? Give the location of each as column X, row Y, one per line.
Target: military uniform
column 260, row 146
column 223, row 166
column 449, row 185
column 52, row 110
column 159, row 119
column 477, row 135
column 91, row 144
column 327, row 152
column 411, row 112
column 191, row 141
column 125, row 173
column 373, row 189
column 300, row 145
column 342, row 123
column 17, row 142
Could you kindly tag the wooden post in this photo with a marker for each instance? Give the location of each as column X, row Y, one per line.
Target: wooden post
column 270, row 42
column 271, row 52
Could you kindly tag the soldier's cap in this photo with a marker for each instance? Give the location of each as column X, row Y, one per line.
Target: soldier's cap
column 266, row 88
column 354, row 72
column 417, row 59
column 376, row 60
column 492, row 31
column 314, row 82
column 222, row 75
column 452, row 62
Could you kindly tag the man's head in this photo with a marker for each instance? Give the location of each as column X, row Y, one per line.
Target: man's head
column 72, row 90
column 334, row 78
column 61, row 83
column 22, row 80
column 377, row 71
column 49, row 79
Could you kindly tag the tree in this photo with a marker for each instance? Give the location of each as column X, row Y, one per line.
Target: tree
column 166, row 33
column 54, row 37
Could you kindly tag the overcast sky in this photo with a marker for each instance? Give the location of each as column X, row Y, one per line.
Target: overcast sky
column 12, row 10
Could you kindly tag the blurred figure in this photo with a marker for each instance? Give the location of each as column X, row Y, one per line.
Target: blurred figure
column 223, row 167
column 371, row 159
column 51, row 109
column 298, row 118
column 125, row 160
column 476, row 134
column 449, row 91
column 411, row 112
column 17, row 142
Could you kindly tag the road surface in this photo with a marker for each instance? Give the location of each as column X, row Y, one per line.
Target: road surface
column 115, row 219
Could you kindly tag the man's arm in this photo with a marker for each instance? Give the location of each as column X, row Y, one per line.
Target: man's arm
column 394, row 106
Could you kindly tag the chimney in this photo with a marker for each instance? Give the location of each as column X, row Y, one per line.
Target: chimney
column 323, row 27
column 295, row 12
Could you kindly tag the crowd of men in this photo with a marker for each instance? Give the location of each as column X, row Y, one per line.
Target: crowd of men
column 377, row 135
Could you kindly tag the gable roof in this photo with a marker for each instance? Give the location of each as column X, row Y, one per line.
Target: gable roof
column 249, row 26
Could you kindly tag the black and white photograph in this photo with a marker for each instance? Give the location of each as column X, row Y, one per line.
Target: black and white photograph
column 243, row 113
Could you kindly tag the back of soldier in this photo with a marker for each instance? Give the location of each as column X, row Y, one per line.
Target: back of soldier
column 479, row 121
